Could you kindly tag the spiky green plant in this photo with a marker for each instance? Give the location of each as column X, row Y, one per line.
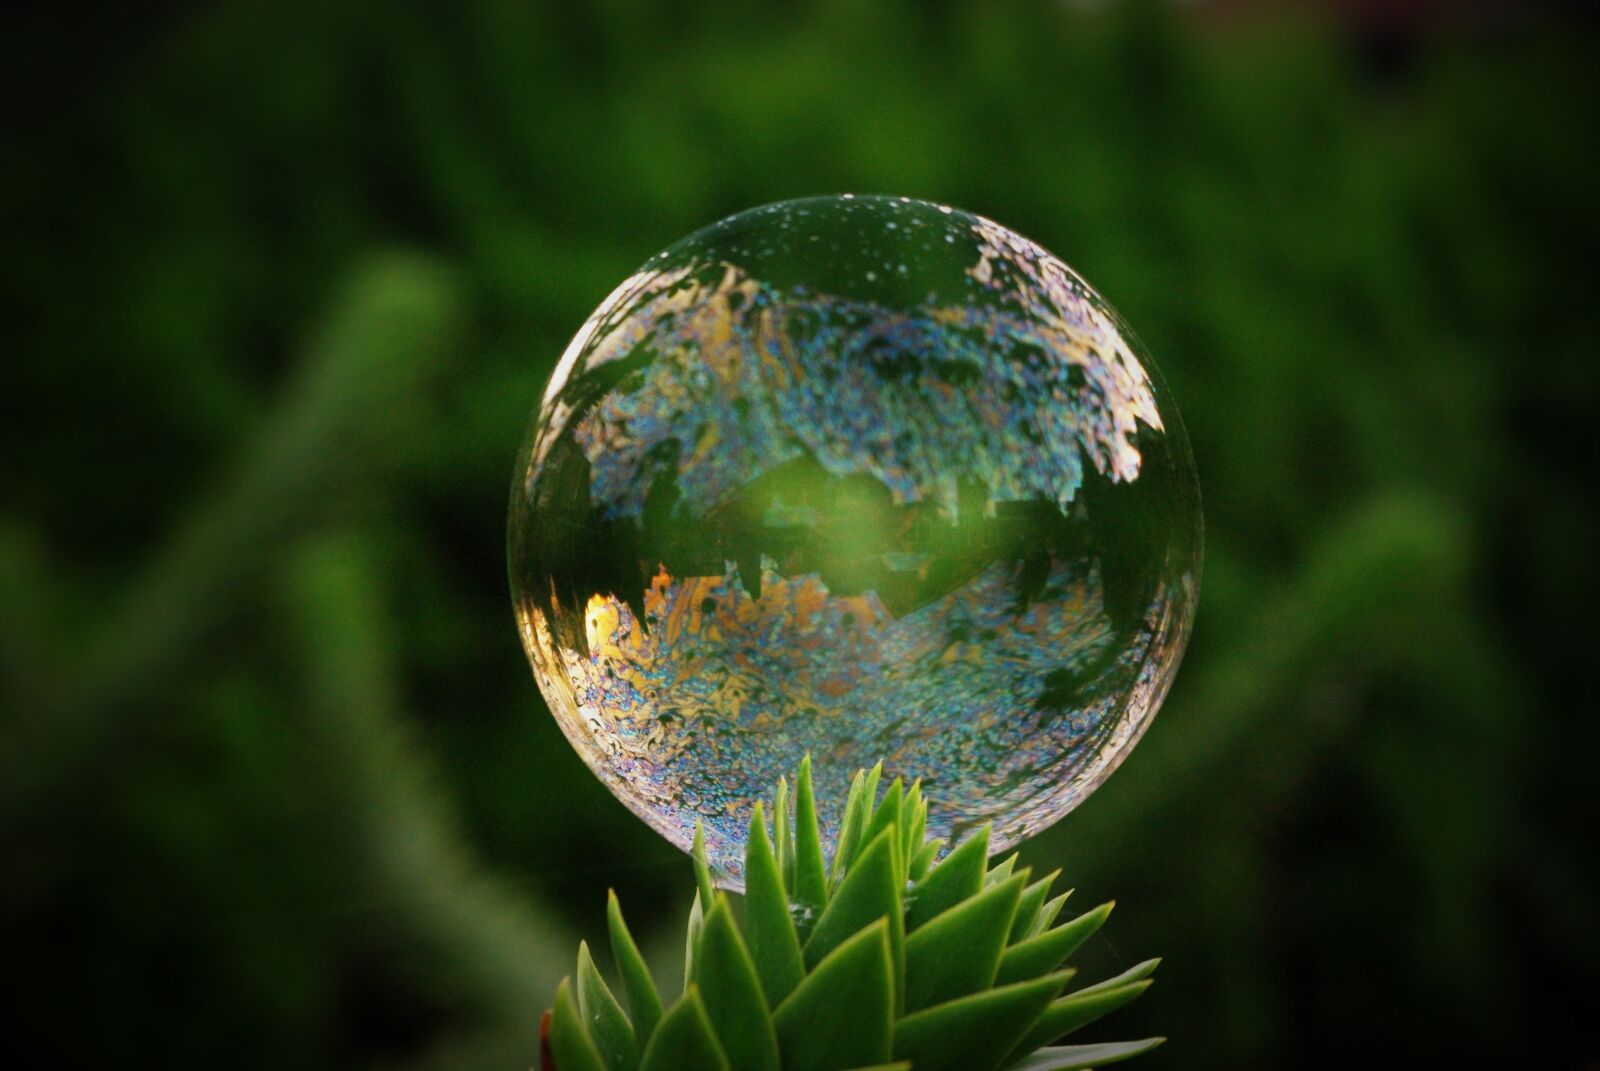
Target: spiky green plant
column 885, row 961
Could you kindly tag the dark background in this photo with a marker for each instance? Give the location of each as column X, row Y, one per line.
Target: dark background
column 282, row 283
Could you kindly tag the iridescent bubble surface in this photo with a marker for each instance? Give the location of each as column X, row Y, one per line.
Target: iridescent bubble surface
column 861, row 476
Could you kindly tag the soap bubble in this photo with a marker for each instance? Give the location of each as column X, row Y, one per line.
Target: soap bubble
column 864, row 477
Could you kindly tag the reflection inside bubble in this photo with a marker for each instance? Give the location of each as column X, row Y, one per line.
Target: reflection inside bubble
column 862, row 477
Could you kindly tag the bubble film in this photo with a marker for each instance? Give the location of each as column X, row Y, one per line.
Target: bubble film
column 861, row 476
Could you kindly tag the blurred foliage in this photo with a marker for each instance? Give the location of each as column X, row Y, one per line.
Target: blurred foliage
column 283, row 282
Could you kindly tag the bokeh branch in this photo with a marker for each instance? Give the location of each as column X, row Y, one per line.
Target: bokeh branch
column 475, row 948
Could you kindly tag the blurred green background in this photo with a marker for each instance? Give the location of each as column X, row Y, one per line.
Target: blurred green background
column 283, row 282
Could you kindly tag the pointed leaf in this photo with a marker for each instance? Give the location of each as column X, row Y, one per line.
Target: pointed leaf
column 702, row 868
column 1075, row 1057
column 849, row 829
column 691, row 940
column 569, row 1041
column 975, row 1032
column 888, row 812
column 958, row 877
column 870, row 892
column 774, row 945
column 782, row 849
column 869, row 788
column 608, row 1024
column 1031, row 904
column 683, row 1040
column 915, row 822
column 863, row 810
column 732, row 994
column 810, row 888
column 1080, row 929
column 1049, row 913
column 1001, row 870
column 644, row 1003
column 923, row 858
column 1036, row 955
column 840, row 1015
column 958, row 952
column 1073, row 1011
column 1137, row 972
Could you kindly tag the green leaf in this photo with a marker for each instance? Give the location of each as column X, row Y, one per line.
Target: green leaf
column 869, row 791
column 841, row 1014
column 1076, row 1010
column 975, row 1032
column 1135, row 973
column 915, row 823
column 810, row 873
column 1049, row 913
column 888, row 813
column 958, row 877
column 683, row 1041
column 1031, row 904
column 1074, row 1057
column 608, row 1025
column 1080, row 929
column 870, row 892
column 1036, row 955
column 702, row 868
column 963, row 957
column 644, row 1003
column 1001, row 870
column 958, row 952
column 923, row 858
column 849, row 827
column 569, row 1041
column 774, row 945
column 783, row 850
column 691, row 940
column 732, row 993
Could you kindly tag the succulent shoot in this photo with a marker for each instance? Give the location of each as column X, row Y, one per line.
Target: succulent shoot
column 889, row 959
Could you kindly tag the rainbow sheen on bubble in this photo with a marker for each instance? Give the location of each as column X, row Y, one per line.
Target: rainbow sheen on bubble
column 864, row 477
